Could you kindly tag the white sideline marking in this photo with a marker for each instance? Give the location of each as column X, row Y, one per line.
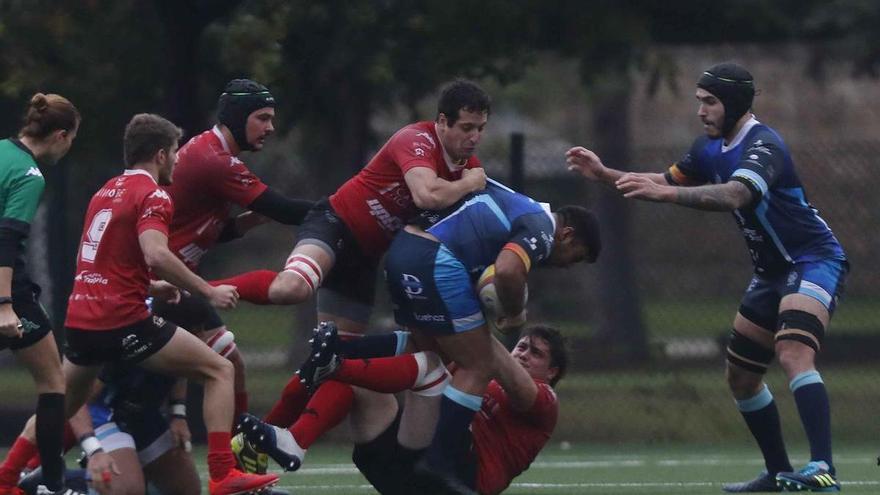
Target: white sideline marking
column 538, row 486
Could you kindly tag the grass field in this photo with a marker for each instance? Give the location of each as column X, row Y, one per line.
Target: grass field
column 618, row 470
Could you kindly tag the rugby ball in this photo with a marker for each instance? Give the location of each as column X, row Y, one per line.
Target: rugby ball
column 488, row 296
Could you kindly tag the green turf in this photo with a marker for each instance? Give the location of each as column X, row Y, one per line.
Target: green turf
column 605, row 469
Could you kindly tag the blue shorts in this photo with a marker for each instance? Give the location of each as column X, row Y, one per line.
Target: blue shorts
column 430, row 288
column 823, row 280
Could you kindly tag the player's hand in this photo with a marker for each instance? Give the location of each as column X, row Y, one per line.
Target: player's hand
column 510, row 324
column 585, row 162
column 10, row 325
column 223, row 296
column 476, row 177
column 165, row 291
column 640, row 186
column 102, row 468
column 180, row 433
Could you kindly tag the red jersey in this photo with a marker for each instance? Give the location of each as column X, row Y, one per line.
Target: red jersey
column 206, row 181
column 376, row 203
column 112, row 276
column 507, row 441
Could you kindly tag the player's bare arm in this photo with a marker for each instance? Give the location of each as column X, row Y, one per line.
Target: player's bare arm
column 714, row 197
column 10, row 326
column 167, row 266
column 430, row 192
column 510, row 284
column 588, row 164
column 514, row 379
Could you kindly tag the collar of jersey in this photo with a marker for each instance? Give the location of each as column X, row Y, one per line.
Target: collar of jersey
column 216, row 131
column 752, row 122
column 451, row 165
column 137, row 171
column 549, row 212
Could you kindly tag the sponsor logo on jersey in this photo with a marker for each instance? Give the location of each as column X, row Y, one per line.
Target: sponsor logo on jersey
column 91, row 278
column 385, row 219
column 159, row 193
column 34, row 171
column 192, row 253
column 427, row 317
column 428, row 137
column 412, row 286
column 531, row 242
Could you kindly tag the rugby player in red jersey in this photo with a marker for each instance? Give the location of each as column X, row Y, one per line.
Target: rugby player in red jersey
column 208, row 180
column 125, row 237
column 424, row 166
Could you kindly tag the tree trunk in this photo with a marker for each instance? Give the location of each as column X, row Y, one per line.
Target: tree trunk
column 619, row 317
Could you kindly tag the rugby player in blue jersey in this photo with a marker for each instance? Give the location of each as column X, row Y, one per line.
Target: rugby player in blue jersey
column 743, row 166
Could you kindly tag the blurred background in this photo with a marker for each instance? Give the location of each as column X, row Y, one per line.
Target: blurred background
column 647, row 322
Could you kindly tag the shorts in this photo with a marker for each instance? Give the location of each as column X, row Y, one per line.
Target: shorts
column 148, row 433
column 193, row 313
column 430, row 288
column 35, row 322
column 129, row 344
column 823, row 280
column 349, row 290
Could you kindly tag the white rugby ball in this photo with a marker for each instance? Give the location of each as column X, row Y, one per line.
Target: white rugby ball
column 488, row 296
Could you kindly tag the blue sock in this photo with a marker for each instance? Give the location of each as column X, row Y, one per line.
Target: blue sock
column 451, row 447
column 371, row 346
column 762, row 418
column 813, row 406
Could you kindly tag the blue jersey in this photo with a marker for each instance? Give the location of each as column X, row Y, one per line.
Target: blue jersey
column 483, row 223
column 780, row 226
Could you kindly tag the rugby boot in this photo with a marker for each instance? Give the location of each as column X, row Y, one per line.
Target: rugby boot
column 42, row 490
column 816, row 476
column 238, row 483
column 764, row 483
column 323, row 359
column 277, row 442
column 249, row 459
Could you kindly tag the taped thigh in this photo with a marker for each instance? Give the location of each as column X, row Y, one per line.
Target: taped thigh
column 748, row 354
column 801, row 326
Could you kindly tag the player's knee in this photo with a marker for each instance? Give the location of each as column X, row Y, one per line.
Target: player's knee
column 219, row 369
column 433, row 377
column 289, row 288
column 800, row 326
column 746, row 354
column 742, row 383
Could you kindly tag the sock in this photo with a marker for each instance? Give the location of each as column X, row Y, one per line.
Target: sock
column 241, row 404
column 762, row 418
column 326, row 409
column 815, row 411
column 68, row 442
column 252, row 286
column 50, row 436
column 387, row 375
column 371, row 346
column 220, row 458
column 451, row 445
column 293, row 399
column 16, row 458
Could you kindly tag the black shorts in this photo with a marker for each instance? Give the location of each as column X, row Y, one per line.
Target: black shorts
column 35, row 322
column 130, row 344
column 193, row 313
column 349, row 290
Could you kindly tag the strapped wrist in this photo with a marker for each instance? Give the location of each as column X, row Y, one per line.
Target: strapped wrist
column 91, row 445
column 178, row 409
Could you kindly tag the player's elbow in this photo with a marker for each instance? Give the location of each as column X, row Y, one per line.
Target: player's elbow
column 427, row 200
column 156, row 258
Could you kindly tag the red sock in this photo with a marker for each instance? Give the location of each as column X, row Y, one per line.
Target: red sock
column 20, row 452
column 252, row 286
column 327, row 408
column 241, row 404
column 290, row 405
column 387, row 375
column 33, row 463
column 220, row 458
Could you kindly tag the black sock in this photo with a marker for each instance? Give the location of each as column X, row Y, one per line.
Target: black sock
column 767, row 430
column 814, row 409
column 50, row 436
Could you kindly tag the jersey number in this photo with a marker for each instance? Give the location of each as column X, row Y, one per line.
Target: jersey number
column 94, row 235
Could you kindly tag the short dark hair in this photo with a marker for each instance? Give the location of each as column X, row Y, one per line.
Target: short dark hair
column 462, row 94
column 47, row 113
column 145, row 135
column 556, row 344
column 586, row 228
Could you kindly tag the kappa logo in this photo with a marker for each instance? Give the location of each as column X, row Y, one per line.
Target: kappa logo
column 34, row 171
column 428, row 137
column 412, row 286
column 159, row 193
column 532, row 242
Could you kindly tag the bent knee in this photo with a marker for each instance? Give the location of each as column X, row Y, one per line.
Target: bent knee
column 289, row 288
column 218, row 369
